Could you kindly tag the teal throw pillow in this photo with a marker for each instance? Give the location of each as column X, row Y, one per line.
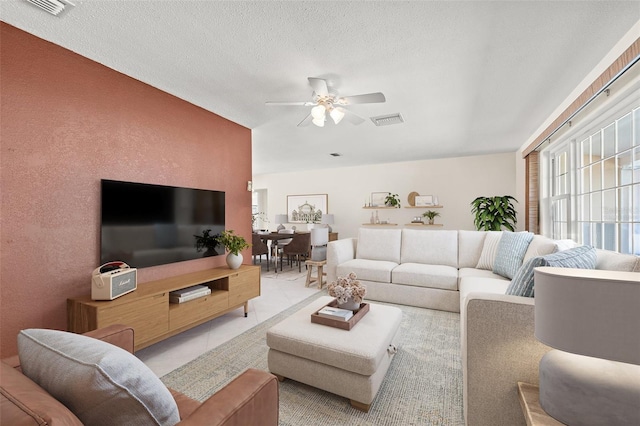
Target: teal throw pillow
column 583, row 257
column 511, row 250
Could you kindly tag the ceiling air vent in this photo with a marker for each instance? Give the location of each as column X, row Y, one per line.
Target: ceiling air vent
column 54, row 7
column 386, row 120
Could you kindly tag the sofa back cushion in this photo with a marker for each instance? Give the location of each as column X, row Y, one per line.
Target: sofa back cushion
column 379, row 244
column 100, row 383
column 612, row 261
column 470, row 244
column 429, row 247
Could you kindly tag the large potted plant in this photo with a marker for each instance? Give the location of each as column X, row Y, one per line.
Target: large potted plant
column 207, row 242
column 494, row 213
column 233, row 244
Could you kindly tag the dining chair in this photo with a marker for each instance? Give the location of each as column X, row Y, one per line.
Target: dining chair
column 277, row 245
column 258, row 248
column 300, row 246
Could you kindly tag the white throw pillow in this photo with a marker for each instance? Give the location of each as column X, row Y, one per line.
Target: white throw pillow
column 100, row 383
column 489, row 250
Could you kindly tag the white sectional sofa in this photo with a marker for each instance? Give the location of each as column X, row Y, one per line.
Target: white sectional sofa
column 439, row 270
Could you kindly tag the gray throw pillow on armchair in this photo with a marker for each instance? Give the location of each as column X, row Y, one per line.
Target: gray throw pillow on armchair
column 100, row 383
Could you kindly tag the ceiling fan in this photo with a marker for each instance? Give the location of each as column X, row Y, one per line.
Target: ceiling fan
column 325, row 102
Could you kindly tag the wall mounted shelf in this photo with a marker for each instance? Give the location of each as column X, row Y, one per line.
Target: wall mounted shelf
column 435, row 225
column 422, row 207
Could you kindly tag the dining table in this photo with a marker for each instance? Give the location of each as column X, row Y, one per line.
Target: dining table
column 275, row 236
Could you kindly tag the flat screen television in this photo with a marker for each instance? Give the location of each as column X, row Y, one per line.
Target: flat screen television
column 146, row 225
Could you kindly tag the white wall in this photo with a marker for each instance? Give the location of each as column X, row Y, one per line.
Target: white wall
column 456, row 182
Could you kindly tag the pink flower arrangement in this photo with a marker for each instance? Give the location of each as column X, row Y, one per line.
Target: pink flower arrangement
column 347, row 287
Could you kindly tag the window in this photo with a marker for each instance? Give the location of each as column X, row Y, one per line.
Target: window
column 593, row 182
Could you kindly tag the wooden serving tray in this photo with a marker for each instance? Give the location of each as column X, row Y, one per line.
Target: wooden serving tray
column 345, row 325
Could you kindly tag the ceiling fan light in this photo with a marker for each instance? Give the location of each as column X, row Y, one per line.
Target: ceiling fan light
column 337, row 115
column 318, row 122
column 318, row 112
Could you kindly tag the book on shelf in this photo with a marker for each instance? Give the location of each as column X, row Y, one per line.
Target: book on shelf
column 335, row 313
column 189, row 293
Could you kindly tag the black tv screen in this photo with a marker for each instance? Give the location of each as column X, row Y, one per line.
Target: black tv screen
column 146, row 225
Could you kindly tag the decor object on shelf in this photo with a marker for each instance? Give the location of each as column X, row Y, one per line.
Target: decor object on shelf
column 348, row 291
column 207, row 241
column 377, row 199
column 280, row 219
column 424, row 200
column 591, row 319
column 306, row 208
column 392, row 200
column 494, row 213
column 327, row 101
column 431, row 215
column 411, row 198
column 417, row 219
column 233, row 244
column 327, row 219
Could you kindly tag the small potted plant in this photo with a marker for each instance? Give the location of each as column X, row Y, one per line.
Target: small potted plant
column 348, row 291
column 208, row 242
column 392, row 200
column 233, row 244
column 431, row 215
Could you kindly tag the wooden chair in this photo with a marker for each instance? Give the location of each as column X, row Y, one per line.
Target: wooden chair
column 300, row 246
column 258, row 248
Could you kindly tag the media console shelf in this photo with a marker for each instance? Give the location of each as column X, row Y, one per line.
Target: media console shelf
column 153, row 318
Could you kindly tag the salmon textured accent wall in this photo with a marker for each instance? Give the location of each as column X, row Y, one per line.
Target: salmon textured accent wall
column 66, row 123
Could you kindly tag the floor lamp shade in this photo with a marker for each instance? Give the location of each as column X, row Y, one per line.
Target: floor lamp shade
column 593, row 318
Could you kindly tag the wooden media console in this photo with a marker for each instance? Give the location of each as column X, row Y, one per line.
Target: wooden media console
column 148, row 310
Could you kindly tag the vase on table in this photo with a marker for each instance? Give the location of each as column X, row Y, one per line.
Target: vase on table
column 234, row 260
column 350, row 304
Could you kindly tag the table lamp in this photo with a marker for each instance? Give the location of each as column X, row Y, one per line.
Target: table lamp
column 327, row 219
column 281, row 218
column 592, row 319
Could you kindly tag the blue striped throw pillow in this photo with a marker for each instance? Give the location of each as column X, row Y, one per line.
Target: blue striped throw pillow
column 583, row 257
column 511, row 250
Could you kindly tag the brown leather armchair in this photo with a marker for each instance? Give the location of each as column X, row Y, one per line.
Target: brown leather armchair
column 251, row 398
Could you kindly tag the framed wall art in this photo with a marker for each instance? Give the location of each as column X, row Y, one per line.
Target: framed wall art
column 307, row 208
column 377, row 199
column 424, row 200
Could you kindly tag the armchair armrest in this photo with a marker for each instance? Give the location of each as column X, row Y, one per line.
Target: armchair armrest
column 339, row 251
column 250, row 399
column 116, row 334
column 499, row 349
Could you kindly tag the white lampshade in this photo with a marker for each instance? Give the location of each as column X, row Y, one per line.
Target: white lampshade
column 589, row 312
column 318, row 122
column 318, row 112
column 337, row 115
column 281, row 218
column 327, row 219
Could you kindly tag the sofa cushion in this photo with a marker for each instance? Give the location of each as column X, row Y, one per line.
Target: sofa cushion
column 429, row 247
column 511, row 250
column 379, row 244
column 540, row 246
column 482, row 284
column 470, row 244
column 99, row 382
column 612, row 261
column 367, row 270
column 583, row 257
column 489, row 248
column 420, row 275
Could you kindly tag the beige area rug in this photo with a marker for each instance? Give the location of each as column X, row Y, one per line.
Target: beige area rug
column 422, row 387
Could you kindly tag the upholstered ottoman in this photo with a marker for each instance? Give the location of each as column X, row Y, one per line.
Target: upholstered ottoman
column 349, row 363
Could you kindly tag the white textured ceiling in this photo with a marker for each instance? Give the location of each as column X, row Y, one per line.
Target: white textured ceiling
column 469, row 78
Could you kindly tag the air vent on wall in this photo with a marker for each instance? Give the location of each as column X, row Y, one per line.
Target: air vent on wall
column 386, row 120
column 54, row 7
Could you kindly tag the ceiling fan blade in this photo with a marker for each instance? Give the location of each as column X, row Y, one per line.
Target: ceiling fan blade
column 319, row 86
column 369, row 98
column 306, row 121
column 290, row 103
column 352, row 117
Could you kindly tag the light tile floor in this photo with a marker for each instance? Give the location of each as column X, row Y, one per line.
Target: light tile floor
column 278, row 292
